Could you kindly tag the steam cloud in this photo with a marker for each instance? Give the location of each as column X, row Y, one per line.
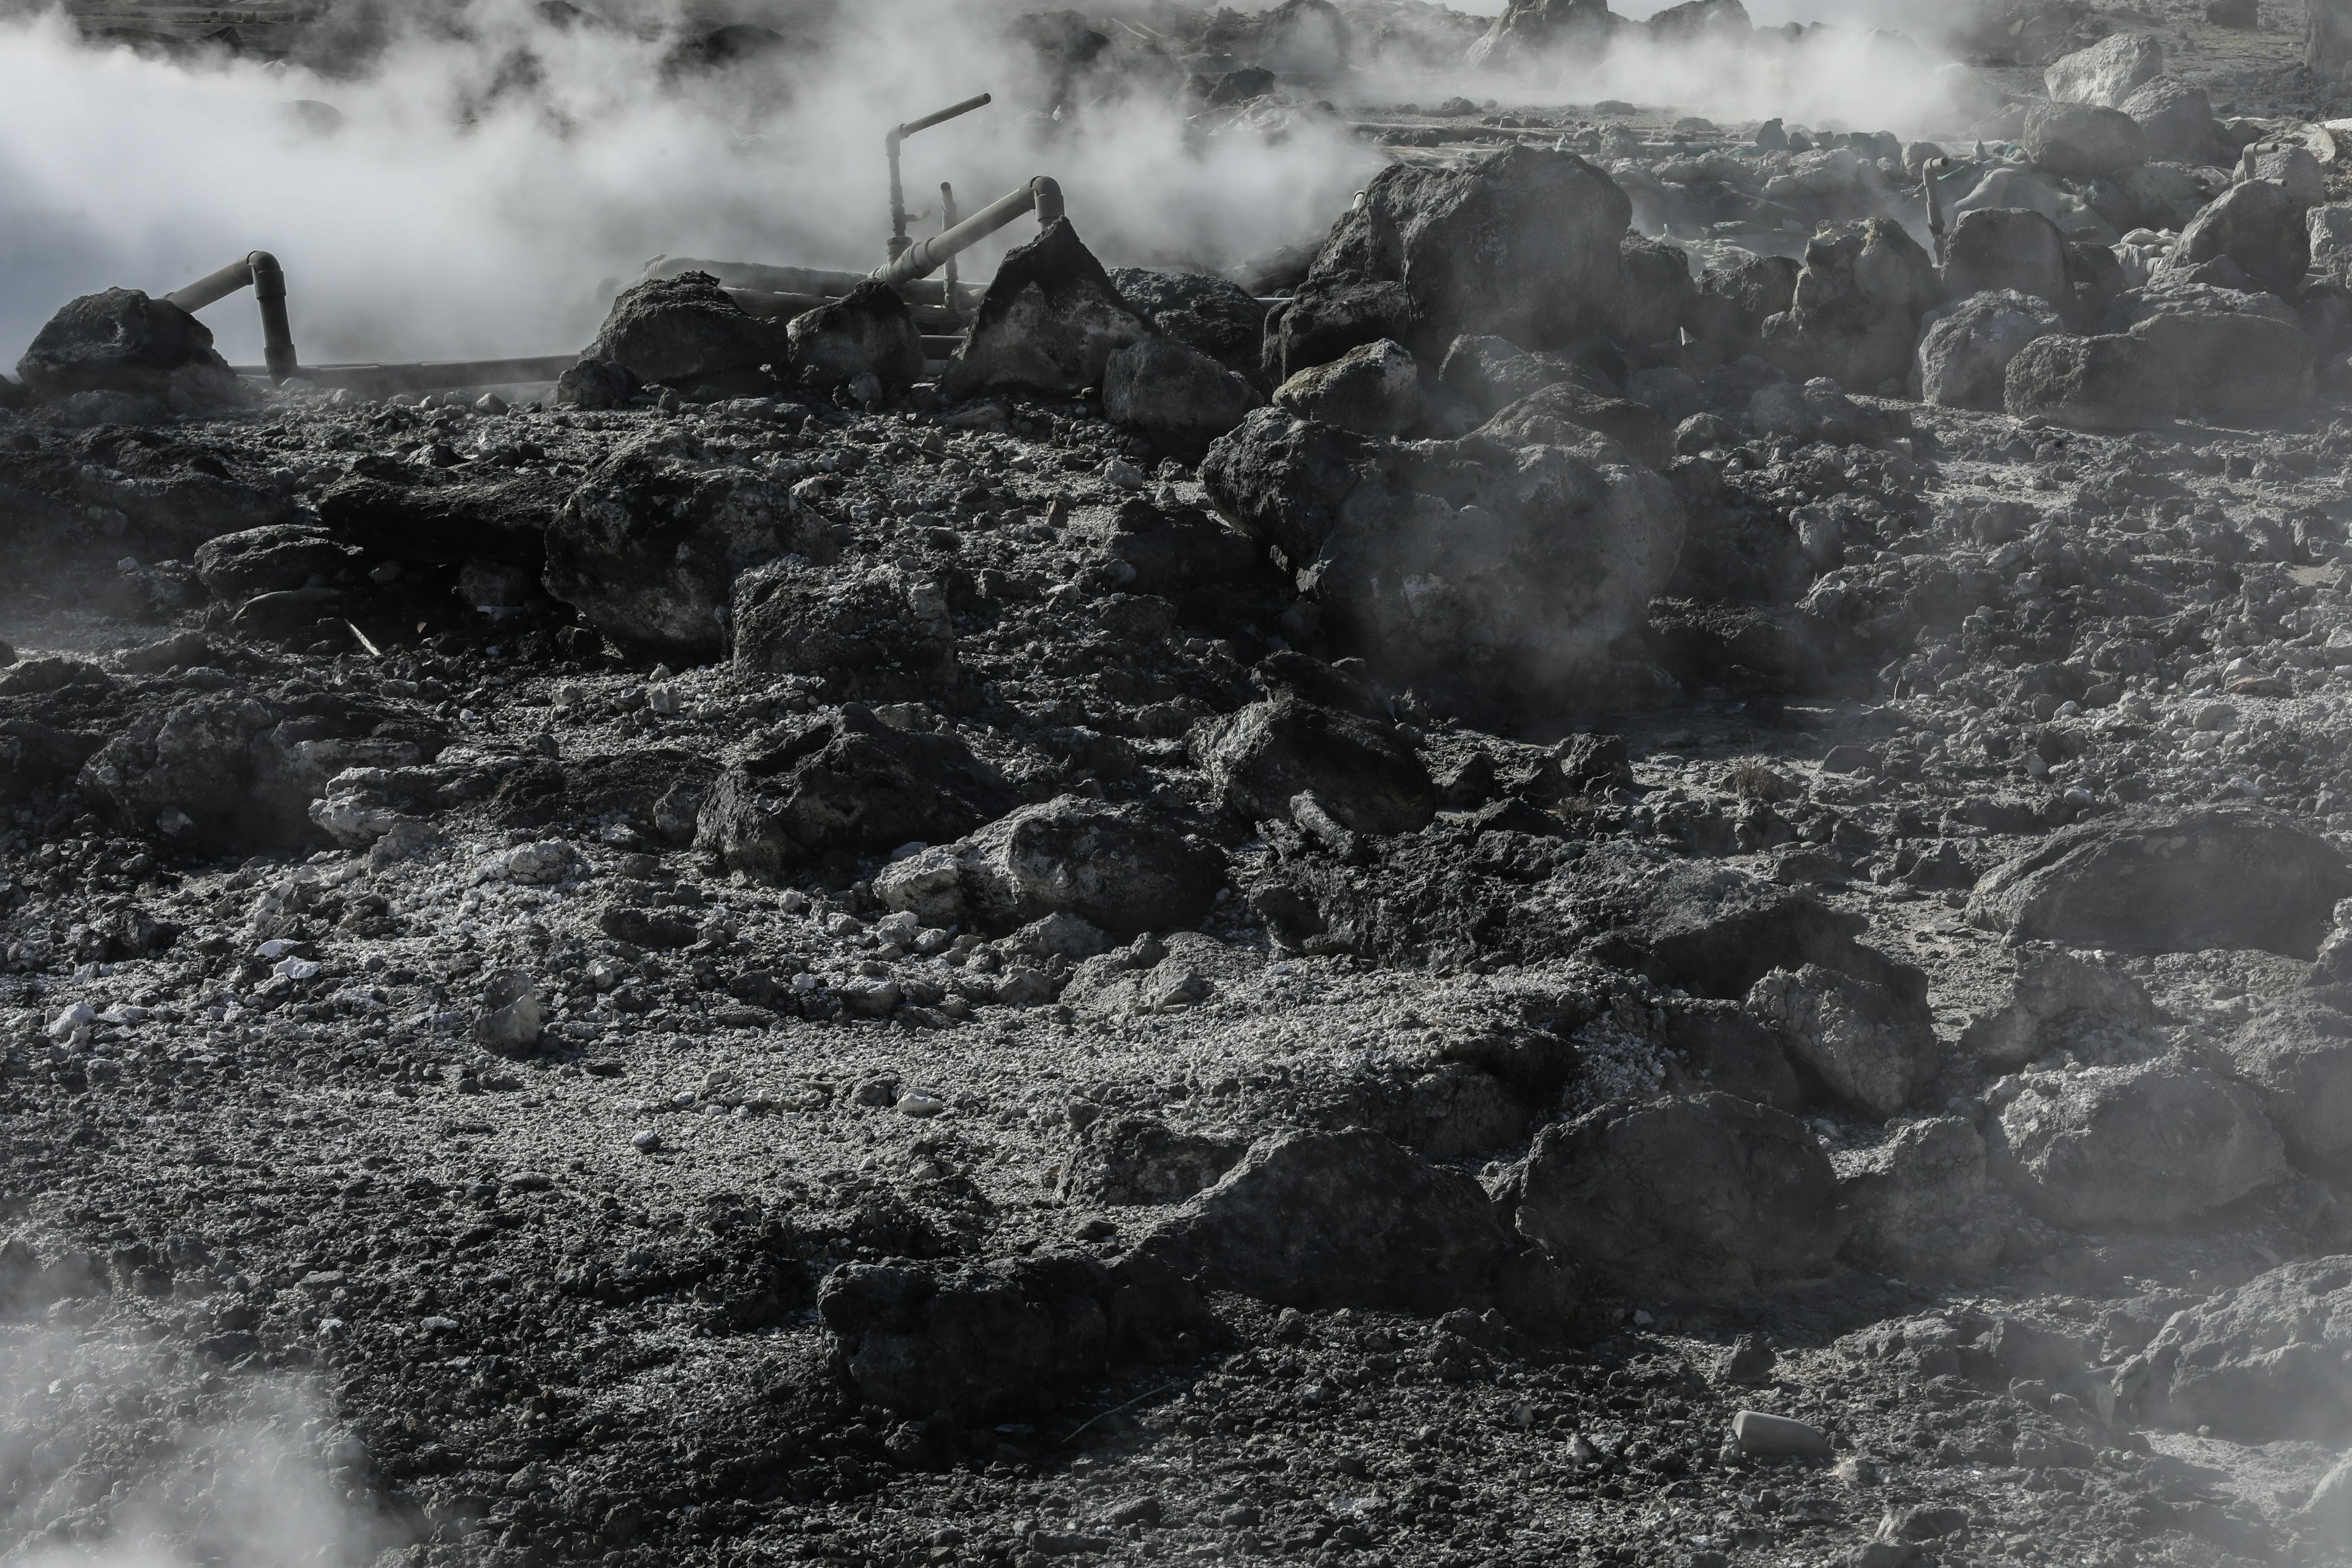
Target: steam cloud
column 489, row 185
column 252, row 1489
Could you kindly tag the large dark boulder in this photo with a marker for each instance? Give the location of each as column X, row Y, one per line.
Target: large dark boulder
column 1702, row 1197
column 949, row 1343
column 236, row 566
column 1564, row 412
column 2007, row 248
column 688, row 334
column 1048, row 323
column 844, row 781
column 2081, row 140
column 1362, row 770
column 1328, row 317
column 2266, row 1360
column 1115, row 867
column 884, row 636
column 121, row 341
column 648, row 546
column 1490, row 373
column 1523, row 244
column 2152, row 1144
column 1855, row 316
column 1374, row 389
column 1485, row 570
column 868, row 333
column 1322, row 1220
column 2229, row 367
column 1966, row 347
column 1734, row 302
column 2176, row 118
column 2297, row 1055
column 2256, row 225
column 1528, row 33
column 1175, row 395
column 1213, row 316
column 2172, row 881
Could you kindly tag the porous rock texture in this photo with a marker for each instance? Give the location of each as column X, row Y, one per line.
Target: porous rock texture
column 1688, row 960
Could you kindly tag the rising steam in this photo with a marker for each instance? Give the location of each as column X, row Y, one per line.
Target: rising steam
column 481, row 188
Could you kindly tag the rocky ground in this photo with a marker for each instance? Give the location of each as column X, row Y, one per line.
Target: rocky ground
column 1558, row 922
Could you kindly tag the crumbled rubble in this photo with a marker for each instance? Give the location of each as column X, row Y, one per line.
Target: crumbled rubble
column 1603, row 868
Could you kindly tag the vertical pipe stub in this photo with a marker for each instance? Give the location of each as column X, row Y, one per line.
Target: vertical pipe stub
column 277, row 334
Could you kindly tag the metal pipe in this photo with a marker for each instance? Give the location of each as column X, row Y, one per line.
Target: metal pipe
column 899, row 133
column 947, row 222
column 260, row 270
column 1929, row 171
column 1040, row 196
column 430, row 375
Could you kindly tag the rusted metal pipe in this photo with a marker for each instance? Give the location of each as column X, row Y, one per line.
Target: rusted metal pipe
column 947, row 222
column 1929, row 172
column 430, row 375
column 259, row 271
column 899, row 133
column 1040, row 196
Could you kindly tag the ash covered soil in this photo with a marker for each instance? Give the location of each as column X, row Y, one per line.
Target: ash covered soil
column 1376, row 958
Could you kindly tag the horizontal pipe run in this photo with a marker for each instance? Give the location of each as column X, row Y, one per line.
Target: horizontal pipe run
column 764, row 280
column 785, row 307
column 900, row 132
column 1040, row 196
column 431, row 375
column 215, row 287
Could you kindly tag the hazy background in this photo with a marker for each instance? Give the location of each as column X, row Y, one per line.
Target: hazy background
column 494, row 174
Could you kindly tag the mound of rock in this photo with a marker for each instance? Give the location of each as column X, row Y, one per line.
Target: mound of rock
column 1701, row 1197
column 884, row 636
column 1172, row 393
column 870, row 333
column 2271, row 1358
column 844, row 781
column 1966, row 347
column 1855, row 313
column 120, row 340
column 1360, row 771
column 2232, row 876
column 2145, row 1145
column 688, row 334
column 1115, row 867
column 1338, row 1220
column 649, row 546
column 1505, row 572
column 2258, row 225
column 2297, row 1053
column 1373, row 389
column 2081, row 140
column 1212, row 316
column 2106, row 73
column 1869, row 1047
column 1918, row 1206
column 1523, row 244
column 1048, row 324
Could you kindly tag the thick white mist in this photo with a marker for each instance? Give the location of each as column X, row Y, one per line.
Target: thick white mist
column 449, row 217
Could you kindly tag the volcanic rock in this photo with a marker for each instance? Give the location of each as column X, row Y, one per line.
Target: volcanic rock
column 1560, row 414
column 1048, row 324
column 1111, row 865
column 1966, row 347
column 236, row 566
column 1867, row 1045
column 688, row 334
column 1372, row 389
column 884, row 636
column 1328, row 317
column 2106, row 73
column 1701, row 1197
column 1321, row 1220
column 120, row 340
column 1175, row 394
column 2270, row 1359
column 1360, row 771
column 844, row 781
column 2232, row 876
column 1209, row 315
column 1918, row 1206
column 1131, row 1160
column 1855, row 313
column 2141, row 1145
column 649, row 546
column 1523, row 244
column 2297, row 1054
column 868, row 332
column 2178, row 119
column 2006, row 249
column 2259, row 226
column 2076, row 141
